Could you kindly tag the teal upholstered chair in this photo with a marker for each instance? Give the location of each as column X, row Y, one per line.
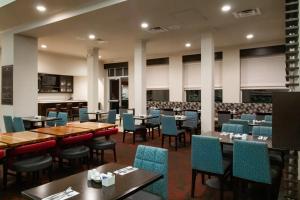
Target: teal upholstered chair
column 8, row 122
column 248, row 117
column 207, row 159
column 245, row 123
column 268, row 118
column 51, row 114
column 191, row 123
column 169, row 129
column 111, row 118
column 130, row 127
column 18, row 124
column 233, row 128
column 155, row 160
column 251, row 163
column 262, row 131
column 154, row 122
column 63, row 119
column 83, row 116
column 266, row 123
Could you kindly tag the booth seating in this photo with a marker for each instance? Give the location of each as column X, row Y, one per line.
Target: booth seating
column 75, row 147
column 101, row 142
column 30, row 158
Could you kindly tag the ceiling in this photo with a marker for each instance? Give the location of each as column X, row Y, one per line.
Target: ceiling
column 119, row 25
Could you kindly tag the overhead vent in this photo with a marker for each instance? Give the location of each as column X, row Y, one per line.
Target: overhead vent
column 247, row 13
column 157, row 29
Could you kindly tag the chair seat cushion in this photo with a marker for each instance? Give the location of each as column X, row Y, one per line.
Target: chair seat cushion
column 144, row 195
column 106, row 132
column 139, row 127
column 75, row 152
column 101, row 144
column 32, row 164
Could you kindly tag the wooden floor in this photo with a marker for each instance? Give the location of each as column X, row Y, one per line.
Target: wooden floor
column 179, row 173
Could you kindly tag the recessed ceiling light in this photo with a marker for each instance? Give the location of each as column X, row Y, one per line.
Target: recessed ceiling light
column 249, row 36
column 44, row 46
column 99, row 57
column 188, row 45
column 41, row 8
column 92, row 36
column 226, row 8
column 144, row 25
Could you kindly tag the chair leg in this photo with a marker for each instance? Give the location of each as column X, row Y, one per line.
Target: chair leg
column 4, row 175
column 50, row 172
column 184, row 139
column 152, row 133
column 124, row 136
column 191, row 137
column 169, row 140
column 194, row 175
column 91, row 153
column 159, row 131
column 162, row 141
column 115, row 154
column 102, row 156
column 203, row 179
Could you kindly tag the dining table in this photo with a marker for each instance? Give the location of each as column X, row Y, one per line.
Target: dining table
column 62, row 131
column 38, row 119
column 98, row 114
column 23, row 138
column 3, row 145
column 93, row 126
column 124, row 186
column 143, row 118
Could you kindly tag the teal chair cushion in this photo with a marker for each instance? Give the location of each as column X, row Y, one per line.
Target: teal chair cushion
column 8, row 122
column 207, row 154
column 128, row 122
column 251, row 161
column 233, row 128
column 266, row 124
column 191, row 121
column 262, row 131
column 268, row 118
column 63, row 119
column 51, row 114
column 156, row 113
column 154, row 159
column 111, row 118
column 83, row 116
column 245, row 123
column 168, row 124
column 18, row 124
column 248, row 117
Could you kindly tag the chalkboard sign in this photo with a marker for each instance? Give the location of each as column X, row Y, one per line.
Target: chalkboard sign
column 7, row 85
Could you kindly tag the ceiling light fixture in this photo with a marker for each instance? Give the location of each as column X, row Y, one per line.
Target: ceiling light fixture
column 41, row 8
column 188, row 45
column 144, row 25
column 92, row 36
column 99, row 57
column 249, row 36
column 226, row 8
column 44, row 46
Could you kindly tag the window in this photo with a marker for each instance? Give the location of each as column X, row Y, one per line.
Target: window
column 123, row 71
column 157, row 95
column 259, row 96
column 195, row 95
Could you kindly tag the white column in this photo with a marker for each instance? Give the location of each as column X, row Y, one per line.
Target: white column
column 21, row 52
column 231, row 75
column 101, row 83
column 176, row 78
column 131, row 84
column 93, row 78
column 139, row 77
column 207, row 83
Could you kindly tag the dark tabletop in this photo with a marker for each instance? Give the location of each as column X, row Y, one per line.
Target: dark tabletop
column 124, row 186
column 39, row 119
column 143, row 117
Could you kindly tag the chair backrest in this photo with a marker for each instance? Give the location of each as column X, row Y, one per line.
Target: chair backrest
column 83, row 116
column 18, row 124
column 168, row 124
column 122, row 111
column 111, row 118
column 251, row 161
column 191, row 120
column 128, row 122
column 207, row 154
column 156, row 113
column 262, row 131
column 8, row 122
column 233, row 128
column 248, row 117
column 63, row 119
column 223, row 117
column 168, row 112
column 51, row 114
column 245, row 123
column 268, row 118
column 155, row 160
column 266, row 124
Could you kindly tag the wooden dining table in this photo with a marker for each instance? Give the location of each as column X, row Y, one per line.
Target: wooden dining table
column 62, row 131
column 125, row 185
column 22, row 138
column 94, row 126
column 3, row 145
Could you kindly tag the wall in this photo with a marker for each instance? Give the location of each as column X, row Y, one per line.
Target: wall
column 157, row 77
column 53, row 63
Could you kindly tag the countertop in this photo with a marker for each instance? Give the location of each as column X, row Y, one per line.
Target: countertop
column 61, row 101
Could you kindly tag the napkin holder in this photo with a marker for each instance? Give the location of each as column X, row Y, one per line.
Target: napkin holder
column 109, row 180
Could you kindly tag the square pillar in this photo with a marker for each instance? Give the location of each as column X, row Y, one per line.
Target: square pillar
column 176, row 78
column 93, row 78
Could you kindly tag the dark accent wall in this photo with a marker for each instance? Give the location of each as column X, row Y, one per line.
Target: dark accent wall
column 158, row 61
column 197, row 57
column 262, row 51
column 116, row 65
